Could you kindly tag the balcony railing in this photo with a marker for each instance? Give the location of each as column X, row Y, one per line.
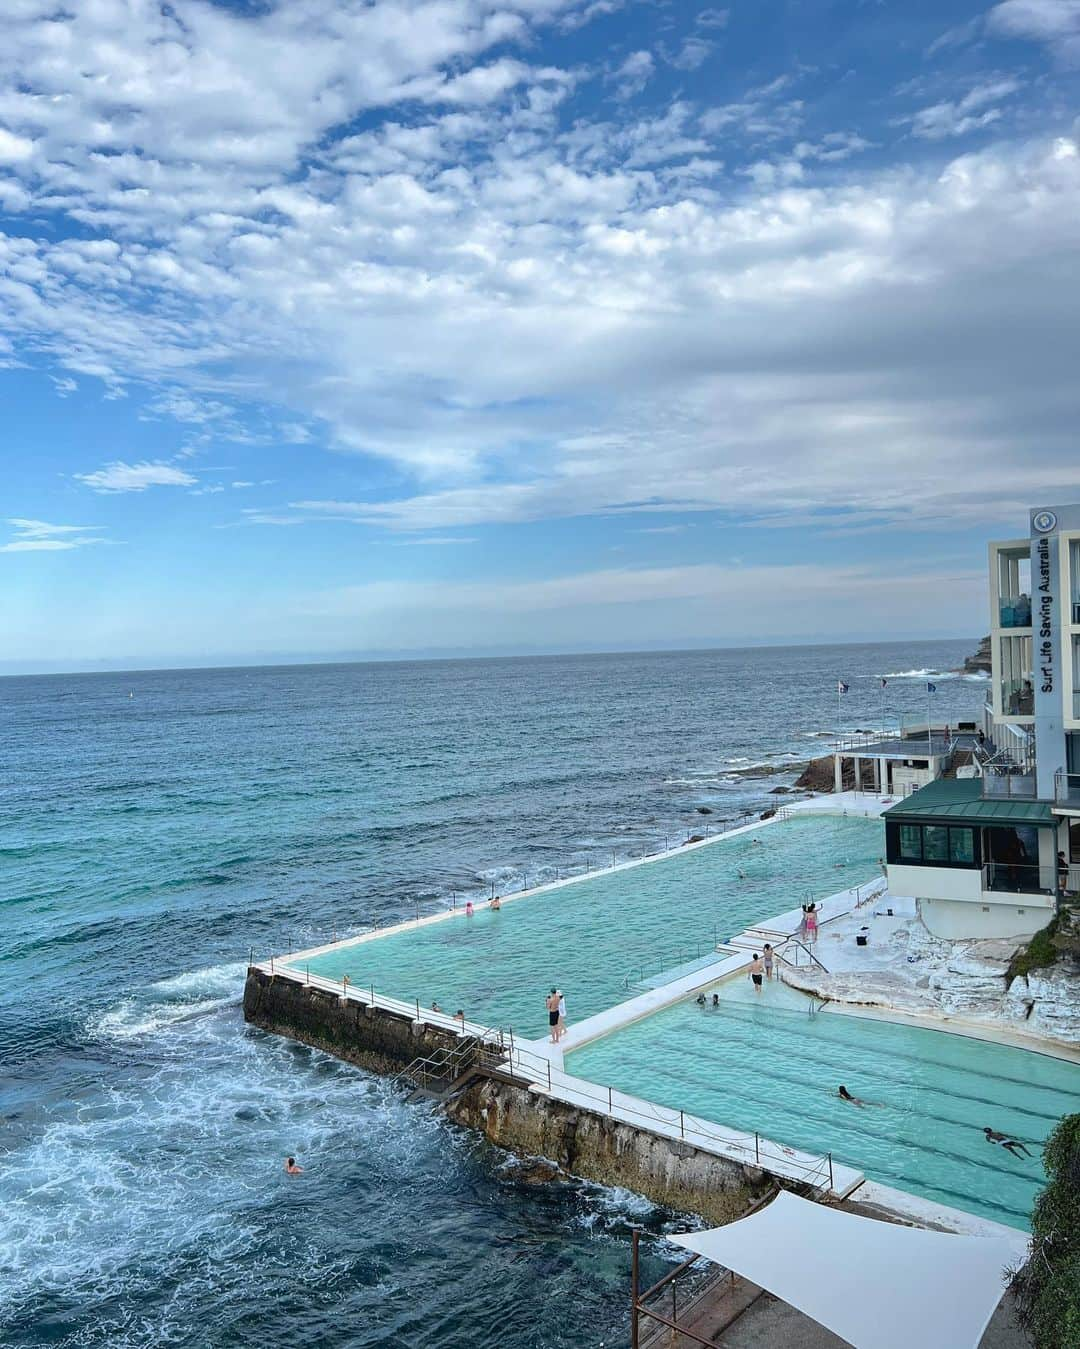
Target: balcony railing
column 1020, row 878
column 998, row 786
column 1014, row 611
column 1067, row 789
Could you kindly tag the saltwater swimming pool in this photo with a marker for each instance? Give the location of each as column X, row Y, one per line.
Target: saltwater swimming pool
column 596, row 937
column 760, row 1062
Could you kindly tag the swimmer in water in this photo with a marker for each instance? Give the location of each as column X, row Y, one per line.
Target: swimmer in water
column 700, row 999
column 846, row 1095
column 1011, row 1145
column 291, row 1168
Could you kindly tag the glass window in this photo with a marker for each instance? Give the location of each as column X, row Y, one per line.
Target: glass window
column 935, row 843
column 911, row 843
column 962, row 847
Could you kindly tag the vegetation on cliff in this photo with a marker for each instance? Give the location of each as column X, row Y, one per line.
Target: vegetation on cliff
column 1048, row 1287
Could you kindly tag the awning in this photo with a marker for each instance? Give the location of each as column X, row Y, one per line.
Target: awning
column 960, row 801
column 877, row 1285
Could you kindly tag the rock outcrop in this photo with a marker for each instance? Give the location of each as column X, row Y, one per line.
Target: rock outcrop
column 958, row 979
column 980, row 662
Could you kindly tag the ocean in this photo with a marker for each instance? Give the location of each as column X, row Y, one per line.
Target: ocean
column 157, row 826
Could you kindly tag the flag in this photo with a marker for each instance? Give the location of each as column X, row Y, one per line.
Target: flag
column 841, row 687
column 931, row 688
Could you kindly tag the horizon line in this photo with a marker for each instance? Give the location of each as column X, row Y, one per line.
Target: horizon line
column 286, row 660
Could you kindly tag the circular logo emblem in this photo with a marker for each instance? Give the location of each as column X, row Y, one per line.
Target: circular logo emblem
column 1044, row 521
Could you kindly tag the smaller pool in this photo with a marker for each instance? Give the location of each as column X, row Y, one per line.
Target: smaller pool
column 760, row 1062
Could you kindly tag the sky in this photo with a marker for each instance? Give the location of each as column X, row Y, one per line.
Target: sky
column 338, row 328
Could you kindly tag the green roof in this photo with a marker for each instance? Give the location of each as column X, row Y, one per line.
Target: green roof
column 960, row 800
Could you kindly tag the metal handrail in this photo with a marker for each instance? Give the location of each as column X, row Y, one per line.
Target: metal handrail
column 538, row 1069
column 366, row 994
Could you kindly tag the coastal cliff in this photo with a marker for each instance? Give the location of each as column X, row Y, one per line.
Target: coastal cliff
column 981, row 661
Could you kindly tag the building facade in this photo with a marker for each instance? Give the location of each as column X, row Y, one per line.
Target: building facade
column 995, row 855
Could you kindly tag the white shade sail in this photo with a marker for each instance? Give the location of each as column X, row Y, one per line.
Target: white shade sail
column 877, row 1285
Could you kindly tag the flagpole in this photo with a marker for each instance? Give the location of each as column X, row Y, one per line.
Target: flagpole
column 929, row 734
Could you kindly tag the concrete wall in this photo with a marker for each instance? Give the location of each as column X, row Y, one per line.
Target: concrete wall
column 581, row 1142
column 957, row 919
column 370, row 1037
column 952, row 883
column 598, row 1148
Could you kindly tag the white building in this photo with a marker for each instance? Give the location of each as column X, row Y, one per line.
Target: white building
column 993, row 856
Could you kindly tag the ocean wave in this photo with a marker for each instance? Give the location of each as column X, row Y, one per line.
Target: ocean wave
column 168, row 1002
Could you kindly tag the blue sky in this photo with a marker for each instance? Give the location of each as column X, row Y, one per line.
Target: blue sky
column 418, row 325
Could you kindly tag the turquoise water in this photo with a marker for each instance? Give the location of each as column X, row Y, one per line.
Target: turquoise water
column 761, row 1063
column 592, row 937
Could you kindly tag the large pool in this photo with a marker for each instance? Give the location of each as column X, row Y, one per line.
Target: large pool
column 598, row 938
column 760, row 1062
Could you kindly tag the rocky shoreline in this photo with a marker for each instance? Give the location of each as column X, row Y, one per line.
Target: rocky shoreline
column 906, row 969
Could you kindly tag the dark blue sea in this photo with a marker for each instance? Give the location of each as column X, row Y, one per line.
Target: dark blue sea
column 156, row 826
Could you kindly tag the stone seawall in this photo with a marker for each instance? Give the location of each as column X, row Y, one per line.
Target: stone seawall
column 372, row 1038
column 596, row 1147
column 580, row 1142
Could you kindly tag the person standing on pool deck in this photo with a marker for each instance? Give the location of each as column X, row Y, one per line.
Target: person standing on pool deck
column 551, row 1002
column 562, row 1016
column 811, row 924
column 767, row 957
column 757, row 972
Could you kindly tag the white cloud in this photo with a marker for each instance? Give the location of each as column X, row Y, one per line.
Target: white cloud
column 121, row 477
column 526, row 311
column 694, row 52
column 38, row 536
column 634, row 74
column 977, row 109
column 1055, row 22
column 14, row 149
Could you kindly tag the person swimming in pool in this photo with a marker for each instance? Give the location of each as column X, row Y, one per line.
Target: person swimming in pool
column 716, row 999
column 700, row 1000
column 291, row 1168
column 846, row 1095
column 1011, row 1145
